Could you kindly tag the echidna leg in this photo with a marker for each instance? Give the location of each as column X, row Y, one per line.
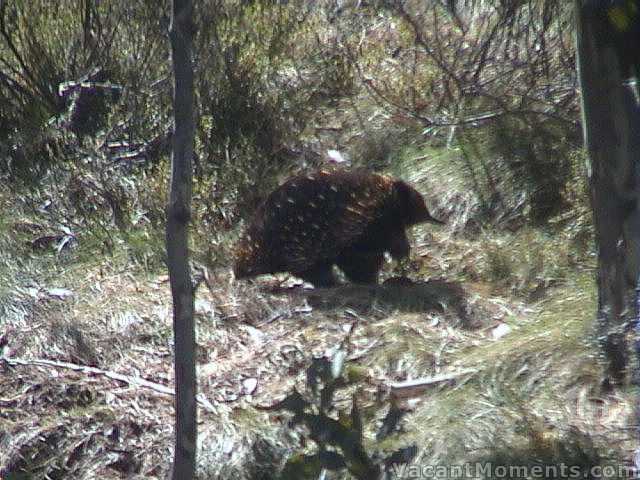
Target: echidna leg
column 361, row 267
column 399, row 246
column 320, row 275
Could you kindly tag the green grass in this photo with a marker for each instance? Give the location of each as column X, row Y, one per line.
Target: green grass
column 423, row 163
column 523, row 392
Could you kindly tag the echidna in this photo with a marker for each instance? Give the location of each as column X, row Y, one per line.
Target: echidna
column 318, row 219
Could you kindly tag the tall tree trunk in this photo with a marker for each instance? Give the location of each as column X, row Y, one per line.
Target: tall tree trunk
column 178, row 217
column 610, row 123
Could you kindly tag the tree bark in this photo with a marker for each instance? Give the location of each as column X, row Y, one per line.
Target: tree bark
column 610, row 125
column 178, row 218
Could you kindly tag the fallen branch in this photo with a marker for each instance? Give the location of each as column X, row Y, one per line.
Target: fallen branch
column 413, row 388
column 129, row 380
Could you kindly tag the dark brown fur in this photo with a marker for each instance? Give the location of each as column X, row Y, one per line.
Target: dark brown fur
column 327, row 217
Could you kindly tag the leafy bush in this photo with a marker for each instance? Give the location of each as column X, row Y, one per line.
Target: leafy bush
column 340, row 441
column 253, row 102
column 495, row 78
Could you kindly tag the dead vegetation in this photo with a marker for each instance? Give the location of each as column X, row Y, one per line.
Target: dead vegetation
column 483, row 340
column 87, row 382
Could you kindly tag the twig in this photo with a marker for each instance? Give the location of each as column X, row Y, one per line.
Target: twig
column 413, row 388
column 136, row 381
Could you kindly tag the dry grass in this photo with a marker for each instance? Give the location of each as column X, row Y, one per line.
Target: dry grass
column 533, row 393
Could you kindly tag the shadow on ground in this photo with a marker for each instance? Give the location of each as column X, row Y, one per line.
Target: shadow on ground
column 396, row 294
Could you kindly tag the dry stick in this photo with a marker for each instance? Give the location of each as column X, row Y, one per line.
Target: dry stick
column 206, row 404
column 413, row 388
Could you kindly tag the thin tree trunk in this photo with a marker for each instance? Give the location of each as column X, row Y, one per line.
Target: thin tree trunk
column 610, row 126
column 178, row 217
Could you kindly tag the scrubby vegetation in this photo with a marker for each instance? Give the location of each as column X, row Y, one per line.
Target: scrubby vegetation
column 476, row 107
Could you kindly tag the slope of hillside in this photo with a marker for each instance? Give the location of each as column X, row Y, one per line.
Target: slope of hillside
column 86, row 368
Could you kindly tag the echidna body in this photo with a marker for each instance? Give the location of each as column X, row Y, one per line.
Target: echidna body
column 326, row 217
